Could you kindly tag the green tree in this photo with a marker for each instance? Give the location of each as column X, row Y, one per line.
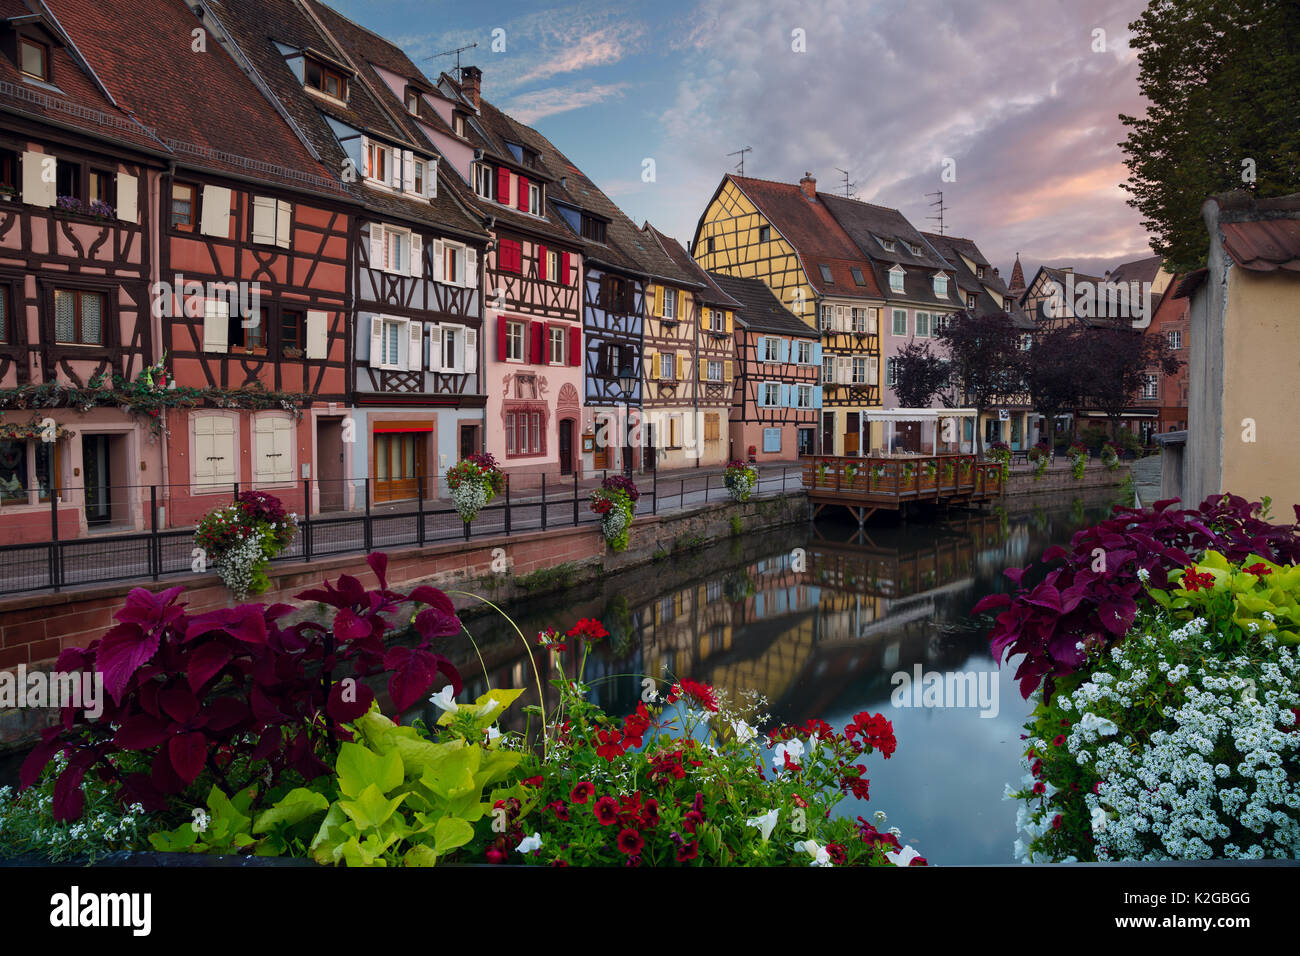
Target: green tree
column 1223, row 81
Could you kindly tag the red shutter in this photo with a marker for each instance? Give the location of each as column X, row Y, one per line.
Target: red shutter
column 503, row 185
column 523, row 193
column 541, row 263
column 563, row 277
column 575, row 345
column 539, row 344
column 502, row 326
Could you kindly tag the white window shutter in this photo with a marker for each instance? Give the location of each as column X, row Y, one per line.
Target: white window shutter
column 471, row 268
column 435, row 349
column 215, row 219
column 417, row 255
column 431, row 179
column 414, row 355
column 365, row 157
column 264, row 220
column 38, row 190
column 214, row 449
column 376, row 341
column 873, row 376
column 283, row 218
column 378, row 247
column 439, row 248
column 128, row 197
column 470, row 364
column 216, row 326
column 408, row 170
column 283, row 431
column 317, row 334
column 204, row 451
column 263, row 445
column 395, row 164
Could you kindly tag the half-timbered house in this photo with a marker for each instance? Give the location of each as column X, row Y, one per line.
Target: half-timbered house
column 778, row 393
column 76, row 236
column 784, row 235
column 416, row 383
column 709, row 317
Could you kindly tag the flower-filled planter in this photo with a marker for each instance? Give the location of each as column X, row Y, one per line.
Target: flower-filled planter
column 851, row 473
column 740, row 480
column 1000, row 452
column 1078, row 453
column 474, row 482
column 1110, row 457
column 239, row 540
column 615, row 502
column 1040, row 456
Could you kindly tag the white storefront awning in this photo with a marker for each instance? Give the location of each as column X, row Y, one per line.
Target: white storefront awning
column 915, row 414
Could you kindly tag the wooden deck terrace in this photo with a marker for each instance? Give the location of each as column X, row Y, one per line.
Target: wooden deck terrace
column 867, row 485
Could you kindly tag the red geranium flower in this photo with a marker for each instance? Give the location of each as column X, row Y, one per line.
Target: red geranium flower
column 1194, row 580
column 606, row 811
column 532, row 781
column 630, row 842
column 702, row 694
column 589, row 629
column 610, row 744
column 875, row 730
column 1257, row 568
column 582, row 792
column 635, row 725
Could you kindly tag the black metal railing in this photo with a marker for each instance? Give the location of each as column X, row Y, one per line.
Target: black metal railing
column 334, row 518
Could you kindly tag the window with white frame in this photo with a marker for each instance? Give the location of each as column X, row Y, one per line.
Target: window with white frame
column 939, row 321
column 1150, row 386
column 669, row 303
column 553, row 266
column 1175, row 339
column 859, row 370
column 713, row 371
column 828, row 318
column 804, row 397
column 896, row 279
column 397, row 250
column 859, row 320
column 557, row 354
column 828, row 368
column 941, row 286
column 891, row 372
column 453, row 340
column 770, row 394
column 419, row 176
column 923, row 325
column 769, row 350
column 515, row 341
column 381, row 163
column 484, row 181
column 535, row 199
column 803, row 353
column 900, row 322
column 391, row 342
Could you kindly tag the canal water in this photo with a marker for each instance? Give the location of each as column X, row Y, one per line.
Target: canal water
column 820, row 621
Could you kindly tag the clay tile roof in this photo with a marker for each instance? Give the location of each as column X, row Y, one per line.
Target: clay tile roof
column 1263, row 245
column 710, row 293
column 760, row 310
column 202, row 107
column 816, row 236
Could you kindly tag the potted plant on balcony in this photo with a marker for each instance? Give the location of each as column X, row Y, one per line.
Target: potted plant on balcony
column 474, row 482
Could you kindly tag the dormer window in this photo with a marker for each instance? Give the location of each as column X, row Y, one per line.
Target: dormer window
column 858, row 277
column 886, row 244
column 326, row 79
column 914, row 248
column 941, row 286
column 458, row 124
column 979, row 272
column 484, row 181
column 413, row 102
column 34, row 59
column 896, row 279
column 825, row 270
column 593, row 229
column 379, row 162
column 535, row 199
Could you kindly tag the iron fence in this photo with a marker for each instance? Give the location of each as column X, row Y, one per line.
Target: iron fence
column 358, row 525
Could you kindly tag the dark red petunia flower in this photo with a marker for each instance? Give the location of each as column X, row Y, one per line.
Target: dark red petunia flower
column 582, row 792
column 559, row 808
column 606, row 811
column 630, row 842
column 688, row 851
column 837, row 853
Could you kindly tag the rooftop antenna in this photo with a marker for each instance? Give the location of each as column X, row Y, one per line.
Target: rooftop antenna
column 938, row 202
column 848, row 187
column 458, row 51
column 740, row 166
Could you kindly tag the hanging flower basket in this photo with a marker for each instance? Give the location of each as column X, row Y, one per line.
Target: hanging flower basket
column 615, row 502
column 239, row 541
column 740, row 480
column 474, row 482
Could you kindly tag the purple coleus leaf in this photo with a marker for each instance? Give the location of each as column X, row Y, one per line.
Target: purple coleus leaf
column 187, row 752
column 413, row 673
column 121, row 652
column 348, row 700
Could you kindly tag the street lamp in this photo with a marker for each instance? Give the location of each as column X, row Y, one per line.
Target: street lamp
column 627, row 379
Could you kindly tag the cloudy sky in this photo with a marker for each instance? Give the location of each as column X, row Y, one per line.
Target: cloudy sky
column 1015, row 93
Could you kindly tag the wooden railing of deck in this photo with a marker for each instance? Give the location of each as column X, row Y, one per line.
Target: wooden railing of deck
column 885, row 482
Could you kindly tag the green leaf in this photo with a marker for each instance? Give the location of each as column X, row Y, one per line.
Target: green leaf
column 371, row 809
column 297, row 805
column 359, row 767
column 450, row 833
column 420, row 855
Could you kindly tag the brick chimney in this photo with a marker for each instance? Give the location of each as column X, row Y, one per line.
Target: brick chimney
column 471, row 82
column 808, row 185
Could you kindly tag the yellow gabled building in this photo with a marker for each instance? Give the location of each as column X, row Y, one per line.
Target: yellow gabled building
column 783, row 235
